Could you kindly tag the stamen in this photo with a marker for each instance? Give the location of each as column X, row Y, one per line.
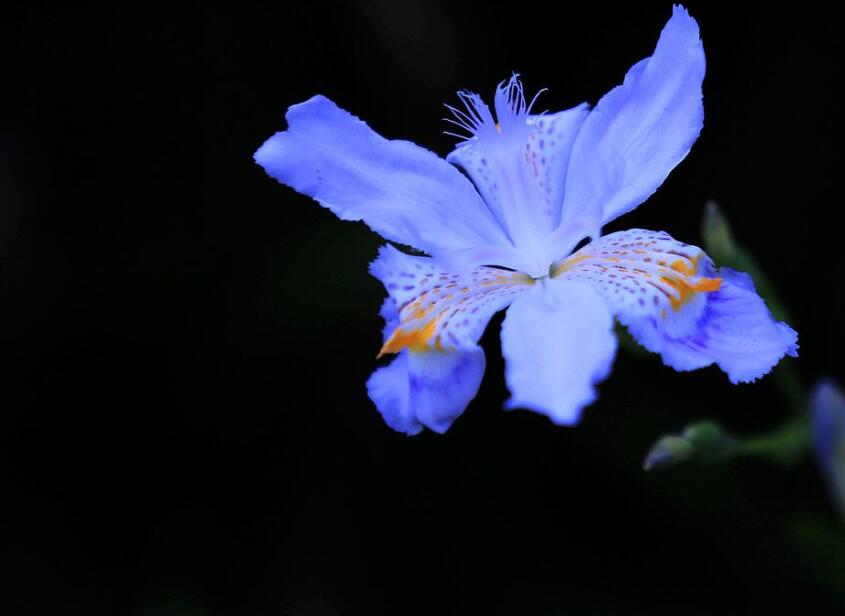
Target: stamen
column 509, row 103
column 534, row 100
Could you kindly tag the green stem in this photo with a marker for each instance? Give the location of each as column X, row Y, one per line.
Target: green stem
column 786, row 445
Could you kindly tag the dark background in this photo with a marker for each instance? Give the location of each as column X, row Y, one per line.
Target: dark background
column 184, row 342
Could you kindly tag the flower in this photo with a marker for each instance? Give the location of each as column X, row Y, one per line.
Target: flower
column 504, row 238
column 827, row 408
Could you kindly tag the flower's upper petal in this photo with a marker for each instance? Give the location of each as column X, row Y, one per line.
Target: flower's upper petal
column 465, row 261
column 518, row 163
column 549, row 149
column 402, row 191
column 674, row 302
column 558, row 343
column 426, row 389
column 639, row 131
column 504, row 167
column 438, row 310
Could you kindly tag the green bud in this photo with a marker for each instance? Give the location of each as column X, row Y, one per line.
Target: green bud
column 720, row 244
column 668, row 451
column 717, row 235
column 703, row 442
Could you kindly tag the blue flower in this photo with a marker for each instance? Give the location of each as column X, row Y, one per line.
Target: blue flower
column 538, row 185
column 827, row 406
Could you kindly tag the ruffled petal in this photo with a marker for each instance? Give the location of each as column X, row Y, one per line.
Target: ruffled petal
column 675, row 303
column 400, row 190
column 433, row 320
column 558, row 343
column 638, row 132
column 735, row 331
column 426, row 389
column 438, row 310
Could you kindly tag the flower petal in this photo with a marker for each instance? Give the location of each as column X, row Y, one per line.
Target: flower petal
column 827, row 414
column 439, row 310
column 735, row 331
column 426, row 389
column 674, row 302
column 433, row 320
column 639, row 131
column 827, row 404
column 550, row 149
column 519, row 167
column 558, row 342
column 400, row 190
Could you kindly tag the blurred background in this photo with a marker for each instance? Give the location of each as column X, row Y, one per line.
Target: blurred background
column 184, row 342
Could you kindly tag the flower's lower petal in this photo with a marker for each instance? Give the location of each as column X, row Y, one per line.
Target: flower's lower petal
column 558, row 343
column 433, row 320
column 439, row 310
column 426, row 389
column 390, row 313
column 675, row 303
column 639, row 131
column 733, row 329
column 400, row 190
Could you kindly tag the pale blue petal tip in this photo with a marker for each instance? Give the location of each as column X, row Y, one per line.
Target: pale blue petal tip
column 389, row 390
column 427, row 389
column 558, row 344
column 734, row 330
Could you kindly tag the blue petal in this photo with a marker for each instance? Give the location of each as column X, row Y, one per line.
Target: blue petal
column 676, row 303
column 827, row 406
column 558, row 343
column 460, row 304
column 428, row 389
column 390, row 313
column 639, row 131
column 828, row 417
column 400, row 190
column 519, row 167
column 550, row 151
column 730, row 327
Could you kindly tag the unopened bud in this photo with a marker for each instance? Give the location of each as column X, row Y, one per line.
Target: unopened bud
column 716, row 231
column 704, row 442
column 668, row 451
column 827, row 405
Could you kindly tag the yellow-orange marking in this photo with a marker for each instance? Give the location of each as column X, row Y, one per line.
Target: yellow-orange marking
column 414, row 339
column 680, row 275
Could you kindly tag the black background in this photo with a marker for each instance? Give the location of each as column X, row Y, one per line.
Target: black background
column 184, row 425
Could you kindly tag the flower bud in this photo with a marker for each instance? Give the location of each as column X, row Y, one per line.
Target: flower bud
column 827, row 404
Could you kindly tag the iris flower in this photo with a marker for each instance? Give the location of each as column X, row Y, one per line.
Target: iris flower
column 502, row 235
